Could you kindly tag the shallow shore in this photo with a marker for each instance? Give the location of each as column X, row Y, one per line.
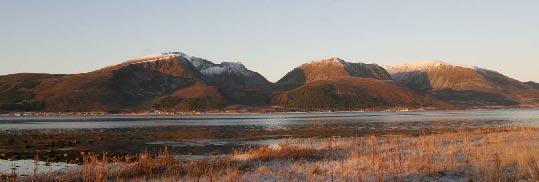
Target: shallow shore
column 501, row 154
column 59, row 139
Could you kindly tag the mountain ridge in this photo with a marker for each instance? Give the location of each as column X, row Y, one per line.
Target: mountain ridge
column 336, row 84
column 179, row 82
column 464, row 84
column 327, row 69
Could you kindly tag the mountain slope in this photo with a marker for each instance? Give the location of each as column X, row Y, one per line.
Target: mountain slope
column 177, row 82
column 337, row 84
column 129, row 86
column 330, row 69
column 349, row 93
column 167, row 81
column 239, row 84
column 464, row 84
column 17, row 90
column 533, row 84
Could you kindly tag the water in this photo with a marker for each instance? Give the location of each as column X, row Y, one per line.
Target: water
column 219, row 133
column 405, row 121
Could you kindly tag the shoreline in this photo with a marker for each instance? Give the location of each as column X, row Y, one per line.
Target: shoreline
column 194, row 113
column 65, row 141
column 477, row 155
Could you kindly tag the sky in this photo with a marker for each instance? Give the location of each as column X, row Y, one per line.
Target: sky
column 270, row 37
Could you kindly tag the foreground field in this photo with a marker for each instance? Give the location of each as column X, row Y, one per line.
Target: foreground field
column 501, row 154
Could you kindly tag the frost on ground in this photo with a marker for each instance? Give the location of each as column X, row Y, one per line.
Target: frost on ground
column 29, row 167
column 499, row 154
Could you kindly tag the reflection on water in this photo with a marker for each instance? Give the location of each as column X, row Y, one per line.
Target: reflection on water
column 208, row 133
column 388, row 120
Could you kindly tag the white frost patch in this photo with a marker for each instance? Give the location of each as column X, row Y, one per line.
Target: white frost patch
column 27, row 167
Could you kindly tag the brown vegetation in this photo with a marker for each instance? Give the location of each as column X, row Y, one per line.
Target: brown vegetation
column 466, row 86
column 504, row 154
column 352, row 93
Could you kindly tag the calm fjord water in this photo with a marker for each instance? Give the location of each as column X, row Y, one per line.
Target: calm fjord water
column 219, row 134
column 350, row 120
column 358, row 120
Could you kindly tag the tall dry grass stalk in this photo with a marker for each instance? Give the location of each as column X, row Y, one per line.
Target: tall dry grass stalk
column 499, row 154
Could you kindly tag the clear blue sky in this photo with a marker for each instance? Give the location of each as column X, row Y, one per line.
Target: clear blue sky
column 270, row 37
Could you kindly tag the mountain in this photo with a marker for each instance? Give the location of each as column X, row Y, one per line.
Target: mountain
column 533, row 84
column 132, row 85
column 330, row 69
column 175, row 81
column 17, row 90
column 239, row 84
column 168, row 81
column 464, row 84
column 337, row 84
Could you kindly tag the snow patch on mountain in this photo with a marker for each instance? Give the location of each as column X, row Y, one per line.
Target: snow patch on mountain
column 340, row 62
column 207, row 68
column 211, row 69
column 422, row 66
column 149, row 58
column 333, row 60
column 159, row 57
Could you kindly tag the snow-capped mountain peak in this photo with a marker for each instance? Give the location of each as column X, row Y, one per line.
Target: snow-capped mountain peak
column 427, row 64
column 159, row 57
column 179, row 54
column 333, row 60
column 422, row 66
column 207, row 68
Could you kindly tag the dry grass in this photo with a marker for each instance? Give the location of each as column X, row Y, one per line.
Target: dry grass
column 505, row 154
column 283, row 152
